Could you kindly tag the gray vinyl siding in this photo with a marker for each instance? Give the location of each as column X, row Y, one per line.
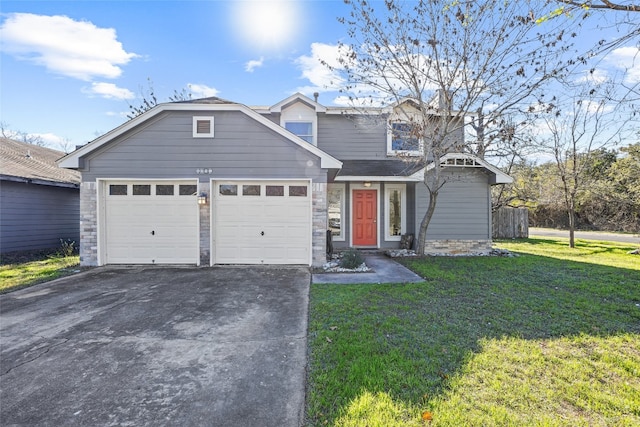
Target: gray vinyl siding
column 37, row 216
column 165, row 148
column 462, row 209
column 349, row 138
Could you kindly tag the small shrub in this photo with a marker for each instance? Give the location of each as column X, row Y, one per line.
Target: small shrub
column 67, row 247
column 351, row 259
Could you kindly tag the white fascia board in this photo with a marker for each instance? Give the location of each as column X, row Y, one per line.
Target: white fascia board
column 351, row 178
column 277, row 108
column 72, row 160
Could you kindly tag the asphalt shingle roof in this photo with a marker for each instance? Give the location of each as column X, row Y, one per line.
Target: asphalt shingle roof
column 28, row 161
column 391, row 167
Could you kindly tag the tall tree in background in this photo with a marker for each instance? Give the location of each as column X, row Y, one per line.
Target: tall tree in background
column 574, row 133
column 450, row 58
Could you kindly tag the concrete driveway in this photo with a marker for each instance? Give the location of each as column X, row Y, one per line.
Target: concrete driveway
column 156, row 346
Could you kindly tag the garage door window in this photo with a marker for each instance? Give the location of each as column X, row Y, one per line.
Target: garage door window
column 250, row 190
column 117, row 190
column 275, row 190
column 298, row 190
column 188, row 190
column 229, row 190
column 141, row 190
column 164, row 190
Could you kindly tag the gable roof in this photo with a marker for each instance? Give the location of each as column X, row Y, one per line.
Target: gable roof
column 297, row 97
column 204, row 105
column 24, row 162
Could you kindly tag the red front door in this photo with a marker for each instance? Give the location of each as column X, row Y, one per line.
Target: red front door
column 365, row 218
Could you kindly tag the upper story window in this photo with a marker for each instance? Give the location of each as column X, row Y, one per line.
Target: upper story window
column 303, row 129
column 301, row 119
column 403, row 139
column 203, row 127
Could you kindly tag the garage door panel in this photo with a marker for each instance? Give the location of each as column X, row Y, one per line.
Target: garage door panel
column 151, row 229
column 261, row 229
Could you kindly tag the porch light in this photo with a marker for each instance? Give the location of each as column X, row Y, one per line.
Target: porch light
column 202, row 198
column 367, row 184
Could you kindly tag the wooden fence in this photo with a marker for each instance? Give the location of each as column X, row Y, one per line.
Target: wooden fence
column 511, row 223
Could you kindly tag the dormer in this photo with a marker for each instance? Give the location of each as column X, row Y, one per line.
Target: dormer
column 299, row 115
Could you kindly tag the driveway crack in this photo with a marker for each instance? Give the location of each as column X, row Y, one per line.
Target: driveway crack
column 36, row 357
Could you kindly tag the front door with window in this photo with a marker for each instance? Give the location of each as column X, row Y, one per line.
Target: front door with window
column 365, row 217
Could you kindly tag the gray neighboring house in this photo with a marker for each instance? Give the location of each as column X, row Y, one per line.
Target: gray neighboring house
column 39, row 201
column 210, row 182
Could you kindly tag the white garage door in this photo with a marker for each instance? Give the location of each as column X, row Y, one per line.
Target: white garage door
column 151, row 222
column 261, row 222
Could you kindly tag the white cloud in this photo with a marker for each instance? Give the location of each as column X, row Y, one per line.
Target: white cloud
column 109, row 91
column 627, row 59
column 202, row 91
column 321, row 76
column 595, row 77
column 253, row 64
column 77, row 49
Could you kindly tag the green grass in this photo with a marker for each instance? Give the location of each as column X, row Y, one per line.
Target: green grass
column 549, row 338
column 16, row 275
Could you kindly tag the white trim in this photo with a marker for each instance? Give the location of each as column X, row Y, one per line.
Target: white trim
column 403, row 211
column 343, row 195
column 500, row 177
column 277, row 108
column 299, row 112
column 392, row 178
column 360, row 186
column 72, row 160
column 197, row 119
column 410, row 153
column 101, row 200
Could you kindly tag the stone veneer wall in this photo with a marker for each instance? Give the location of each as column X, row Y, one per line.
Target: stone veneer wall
column 88, row 224
column 205, row 226
column 453, row 247
column 319, row 224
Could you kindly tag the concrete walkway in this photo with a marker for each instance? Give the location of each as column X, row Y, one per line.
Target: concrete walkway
column 385, row 270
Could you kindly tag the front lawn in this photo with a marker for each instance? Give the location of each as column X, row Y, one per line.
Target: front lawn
column 551, row 338
column 31, row 268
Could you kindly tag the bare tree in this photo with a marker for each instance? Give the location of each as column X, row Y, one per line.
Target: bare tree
column 148, row 99
column 624, row 6
column 589, row 123
column 450, row 59
column 18, row 135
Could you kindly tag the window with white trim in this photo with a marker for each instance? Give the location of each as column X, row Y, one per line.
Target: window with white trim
column 335, row 210
column 395, row 211
column 402, row 138
column 301, row 119
column 202, row 127
column 303, row 129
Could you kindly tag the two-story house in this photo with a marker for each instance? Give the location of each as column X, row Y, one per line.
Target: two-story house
column 210, row 182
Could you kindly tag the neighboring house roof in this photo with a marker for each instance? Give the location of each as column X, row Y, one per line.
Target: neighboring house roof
column 72, row 160
column 24, row 162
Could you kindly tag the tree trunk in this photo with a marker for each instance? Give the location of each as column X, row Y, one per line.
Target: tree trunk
column 424, row 224
column 572, row 224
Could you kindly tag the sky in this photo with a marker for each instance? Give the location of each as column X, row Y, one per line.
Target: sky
column 69, row 69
